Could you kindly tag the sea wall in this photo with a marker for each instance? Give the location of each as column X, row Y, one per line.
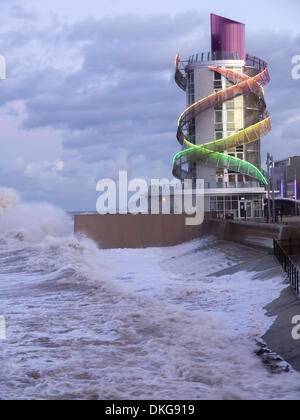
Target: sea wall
column 239, row 231
column 136, row 231
column 143, row 230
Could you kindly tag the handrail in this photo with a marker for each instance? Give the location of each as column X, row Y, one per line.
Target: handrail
column 287, row 264
column 180, row 78
column 212, row 153
column 214, row 56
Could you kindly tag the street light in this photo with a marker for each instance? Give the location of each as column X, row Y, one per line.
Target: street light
column 273, row 188
column 268, row 176
column 270, row 165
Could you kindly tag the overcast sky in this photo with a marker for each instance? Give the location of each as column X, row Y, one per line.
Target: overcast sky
column 90, row 89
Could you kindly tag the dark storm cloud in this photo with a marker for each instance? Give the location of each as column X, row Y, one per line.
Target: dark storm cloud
column 115, row 96
column 283, row 93
column 121, row 103
column 125, row 77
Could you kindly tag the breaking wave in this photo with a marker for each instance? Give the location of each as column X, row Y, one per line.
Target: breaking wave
column 84, row 323
column 7, row 198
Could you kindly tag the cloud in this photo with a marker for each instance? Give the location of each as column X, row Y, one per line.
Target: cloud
column 106, row 87
column 282, row 94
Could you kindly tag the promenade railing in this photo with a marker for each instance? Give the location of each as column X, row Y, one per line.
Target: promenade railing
column 283, row 250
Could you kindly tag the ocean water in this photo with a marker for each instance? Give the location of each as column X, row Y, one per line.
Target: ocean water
column 86, row 323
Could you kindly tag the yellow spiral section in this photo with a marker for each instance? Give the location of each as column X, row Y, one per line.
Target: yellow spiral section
column 212, row 153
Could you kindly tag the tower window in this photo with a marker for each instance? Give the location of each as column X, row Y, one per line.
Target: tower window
column 218, row 116
column 217, row 76
column 230, row 117
column 219, row 135
column 192, row 131
column 217, row 81
column 230, row 104
column 191, row 87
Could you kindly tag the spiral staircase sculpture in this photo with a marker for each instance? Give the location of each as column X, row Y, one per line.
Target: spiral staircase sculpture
column 212, row 153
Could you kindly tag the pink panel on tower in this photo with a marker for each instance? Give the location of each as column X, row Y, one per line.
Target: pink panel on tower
column 227, row 36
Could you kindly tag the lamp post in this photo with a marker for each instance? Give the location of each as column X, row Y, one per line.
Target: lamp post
column 273, row 188
column 296, row 194
column 269, row 190
column 270, row 165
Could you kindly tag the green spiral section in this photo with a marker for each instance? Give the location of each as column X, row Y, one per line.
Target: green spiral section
column 212, row 153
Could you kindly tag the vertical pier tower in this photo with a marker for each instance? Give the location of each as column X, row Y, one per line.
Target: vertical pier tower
column 225, row 118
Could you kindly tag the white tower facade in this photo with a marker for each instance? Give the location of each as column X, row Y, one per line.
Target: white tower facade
column 226, row 115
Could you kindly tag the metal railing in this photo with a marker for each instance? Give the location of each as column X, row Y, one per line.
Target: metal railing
column 286, row 262
column 256, row 62
column 220, row 185
column 213, row 56
column 251, row 60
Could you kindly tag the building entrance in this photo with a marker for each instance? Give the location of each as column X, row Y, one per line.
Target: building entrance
column 245, row 209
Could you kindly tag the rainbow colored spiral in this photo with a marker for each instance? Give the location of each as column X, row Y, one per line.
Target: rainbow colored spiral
column 212, row 153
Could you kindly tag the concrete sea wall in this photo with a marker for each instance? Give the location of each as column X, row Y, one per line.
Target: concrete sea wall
column 136, row 231
column 143, row 230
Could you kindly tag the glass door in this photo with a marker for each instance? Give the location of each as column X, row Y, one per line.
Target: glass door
column 245, row 209
column 249, row 209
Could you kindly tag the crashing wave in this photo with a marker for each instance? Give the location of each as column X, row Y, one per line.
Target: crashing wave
column 8, row 197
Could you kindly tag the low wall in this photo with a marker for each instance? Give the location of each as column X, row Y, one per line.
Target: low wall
column 239, row 231
column 143, row 230
column 136, row 231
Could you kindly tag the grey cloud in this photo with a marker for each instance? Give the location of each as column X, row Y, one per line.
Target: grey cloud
column 282, row 94
column 118, row 107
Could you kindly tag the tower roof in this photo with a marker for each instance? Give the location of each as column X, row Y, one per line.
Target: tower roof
column 227, row 36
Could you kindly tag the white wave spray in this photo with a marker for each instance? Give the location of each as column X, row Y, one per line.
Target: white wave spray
column 126, row 324
column 8, row 197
